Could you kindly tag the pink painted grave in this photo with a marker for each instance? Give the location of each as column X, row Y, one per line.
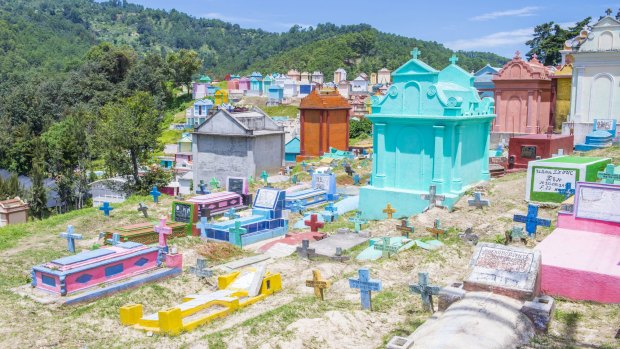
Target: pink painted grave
column 580, row 259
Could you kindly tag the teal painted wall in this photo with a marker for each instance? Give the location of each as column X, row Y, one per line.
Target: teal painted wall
column 430, row 128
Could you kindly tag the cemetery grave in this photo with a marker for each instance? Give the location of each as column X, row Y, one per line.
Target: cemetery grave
column 339, row 319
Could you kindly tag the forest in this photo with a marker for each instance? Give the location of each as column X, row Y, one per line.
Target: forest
column 88, row 85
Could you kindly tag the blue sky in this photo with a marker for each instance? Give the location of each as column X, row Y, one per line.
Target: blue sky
column 495, row 26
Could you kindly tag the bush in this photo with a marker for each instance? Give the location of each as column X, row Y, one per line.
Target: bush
column 361, row 127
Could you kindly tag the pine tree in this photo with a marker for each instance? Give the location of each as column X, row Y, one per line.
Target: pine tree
column 38, row 193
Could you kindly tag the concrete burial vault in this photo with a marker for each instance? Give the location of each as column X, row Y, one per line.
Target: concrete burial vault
column 497, row 306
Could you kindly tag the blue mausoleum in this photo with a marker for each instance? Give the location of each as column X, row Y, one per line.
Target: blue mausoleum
column 431, row 128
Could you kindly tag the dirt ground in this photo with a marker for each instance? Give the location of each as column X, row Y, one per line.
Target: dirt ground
column 292, row 318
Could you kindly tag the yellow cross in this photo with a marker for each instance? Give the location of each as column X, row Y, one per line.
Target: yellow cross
column 318, row 284
column 389, row 210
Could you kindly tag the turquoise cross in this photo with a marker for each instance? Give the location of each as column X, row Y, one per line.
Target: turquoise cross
column 415, row 53
column 609, row 176
column 264, row 176
column 237, row 232
column 386, row 247
column 454, row 59
column 358, row 221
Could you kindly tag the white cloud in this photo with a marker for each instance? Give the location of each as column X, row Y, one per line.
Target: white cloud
column 505, row 38
column 521, row 12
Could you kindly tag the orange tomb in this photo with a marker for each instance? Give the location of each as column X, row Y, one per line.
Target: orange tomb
column 324, row 121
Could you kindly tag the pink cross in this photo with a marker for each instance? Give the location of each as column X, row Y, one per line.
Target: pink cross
column 162, row 230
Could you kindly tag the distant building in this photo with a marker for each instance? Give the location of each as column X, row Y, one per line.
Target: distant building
column 317, row 77
column 256, row 84
column 305, row 77
column 344, row 88
column 276, row 94
column 483, row 80
column 561, row 82
column 244, row 84
column 241, row 144
column 290, row 88
column 267, row 82
column 359, row 86
column 373, row 78
column 110, row 190
column 200, row 87
column 13, row 211
column 596, row 75
column 522, row 99
column 324, row 123
column 384, row 76
column 339, row 75
column 292, row 150
column 294, row 75
column 197, row 114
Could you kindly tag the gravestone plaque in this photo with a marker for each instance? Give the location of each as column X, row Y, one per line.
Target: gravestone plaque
column 182, row 212
column 506, row 270
column 266, row 198
column 236, row 185
column 604, row 124
column 598, row 202
column 528, row 152
column 549, row 180
column 322, row 181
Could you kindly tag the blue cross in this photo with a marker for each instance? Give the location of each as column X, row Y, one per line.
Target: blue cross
column 71, row 236
column 356, row 179
column 202, row 188
column 608, row 176
column 311, row 170
column 155, row 194
column 231, row 214
column 106, row 208
column 331, row 208
column 304, row 165
column 296, row 206
column 478, row 201
column 115, row 240
column 531, row 220
column 568, row 191
column 203, row 225
column 366, row 285
column 294, row 179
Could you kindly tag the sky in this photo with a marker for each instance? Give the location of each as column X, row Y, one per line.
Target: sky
column 501, row 27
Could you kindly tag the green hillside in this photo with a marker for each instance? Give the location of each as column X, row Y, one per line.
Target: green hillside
column 52, row 36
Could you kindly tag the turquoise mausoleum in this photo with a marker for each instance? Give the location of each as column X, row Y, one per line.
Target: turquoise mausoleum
column 431, row 128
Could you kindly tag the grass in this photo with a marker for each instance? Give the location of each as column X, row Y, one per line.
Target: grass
column 281, row 110
column 170, row 137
